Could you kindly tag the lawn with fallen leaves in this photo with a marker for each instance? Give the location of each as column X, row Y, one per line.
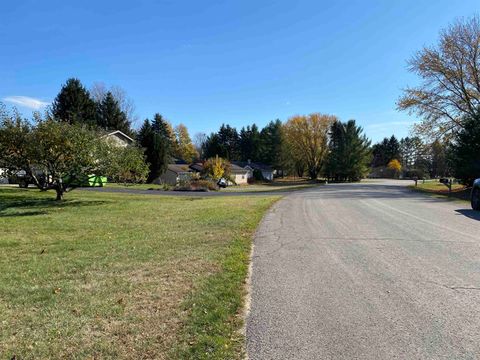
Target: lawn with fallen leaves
column 105, row 275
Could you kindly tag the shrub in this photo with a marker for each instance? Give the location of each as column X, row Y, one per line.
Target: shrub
column 196, row 185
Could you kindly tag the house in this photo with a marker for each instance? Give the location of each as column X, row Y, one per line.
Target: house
column 264, row 169
column 174, row 174
column 119, row 138
column 239, row 175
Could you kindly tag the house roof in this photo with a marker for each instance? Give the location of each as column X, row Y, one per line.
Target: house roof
column 237, row 169
column 197, row 167
column 120, row 134
column 178, row 168
column 254, row 165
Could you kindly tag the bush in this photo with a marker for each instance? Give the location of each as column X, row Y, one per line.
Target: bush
column 196, row 185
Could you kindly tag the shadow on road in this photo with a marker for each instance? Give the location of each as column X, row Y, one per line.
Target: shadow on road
column 472, row 214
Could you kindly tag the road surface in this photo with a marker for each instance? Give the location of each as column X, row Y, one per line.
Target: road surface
column 366, row 271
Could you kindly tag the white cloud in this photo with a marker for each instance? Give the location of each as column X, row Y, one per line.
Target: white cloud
column 26, row 101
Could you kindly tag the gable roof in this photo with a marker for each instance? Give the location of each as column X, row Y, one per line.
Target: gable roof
column 237, row 169
column 120, row 135
column 178, row 168
column 254, row 165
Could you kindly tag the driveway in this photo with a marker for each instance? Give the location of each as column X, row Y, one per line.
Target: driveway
column 366, row 271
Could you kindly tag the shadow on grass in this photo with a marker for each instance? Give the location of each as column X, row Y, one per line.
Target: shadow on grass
column 15, row 206
column 472, row 214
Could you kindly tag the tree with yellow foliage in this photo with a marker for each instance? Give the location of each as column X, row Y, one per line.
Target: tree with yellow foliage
column 184, row 148
column 217, row 168
column 395, row 166
column 306, row 138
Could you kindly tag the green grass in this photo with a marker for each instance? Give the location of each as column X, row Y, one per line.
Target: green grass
column 436, row 189
column 436, row 186
column 104, row 275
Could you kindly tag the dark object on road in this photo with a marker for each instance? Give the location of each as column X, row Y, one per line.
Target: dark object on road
column 475, row 197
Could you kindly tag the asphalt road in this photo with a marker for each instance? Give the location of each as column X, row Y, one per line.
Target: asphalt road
column 366, row 271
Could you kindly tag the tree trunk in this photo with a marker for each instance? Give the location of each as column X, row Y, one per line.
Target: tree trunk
column 59, row 191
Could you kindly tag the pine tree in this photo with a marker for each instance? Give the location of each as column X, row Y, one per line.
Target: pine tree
column 74, row 105
column 349, row 152
column 464, row 155
column 156, row 148
column 271, row 139
column 110, row 116
column 229, row 142
column 250, row 143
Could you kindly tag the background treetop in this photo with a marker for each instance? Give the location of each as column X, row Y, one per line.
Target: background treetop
column 450, row 80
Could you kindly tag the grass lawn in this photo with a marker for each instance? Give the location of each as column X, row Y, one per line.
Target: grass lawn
column 434, row 187
column 106, row 275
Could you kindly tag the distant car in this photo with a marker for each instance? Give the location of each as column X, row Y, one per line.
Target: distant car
column 475, row 197
column 223, row 183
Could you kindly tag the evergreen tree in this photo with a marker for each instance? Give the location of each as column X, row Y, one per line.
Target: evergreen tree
column 110, row 116
column 156, row 147
column 386, row 151
column 250, row 143
column 212, row 147
column 349, row 154
column 464, row 156
column 271, row 139
column 229, row 142
column 74, row 105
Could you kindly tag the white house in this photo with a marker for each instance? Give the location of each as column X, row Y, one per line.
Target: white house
column 266, row 170
column 119, row 138
column 240, row 175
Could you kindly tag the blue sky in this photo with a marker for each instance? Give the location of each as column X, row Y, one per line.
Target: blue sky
column 204, row 63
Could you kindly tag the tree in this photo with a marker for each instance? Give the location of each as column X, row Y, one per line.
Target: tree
column 98, row 92
column 349, row 152
column 272, row 147
column 217, row 168
column 438, row 164
column 450, row 71
column 127, row 165
column 164, row 129
column 56, row 155
column 184, row 148
column 110, row 116
column 395, row 166
column 15, row 143
column 464, row 154
column 156, row 147
column 385, row 151
column 250, row 143
column 199, row 141
column 308, row 140
column 74, row 105
column 212, row 147
column 229, row 142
